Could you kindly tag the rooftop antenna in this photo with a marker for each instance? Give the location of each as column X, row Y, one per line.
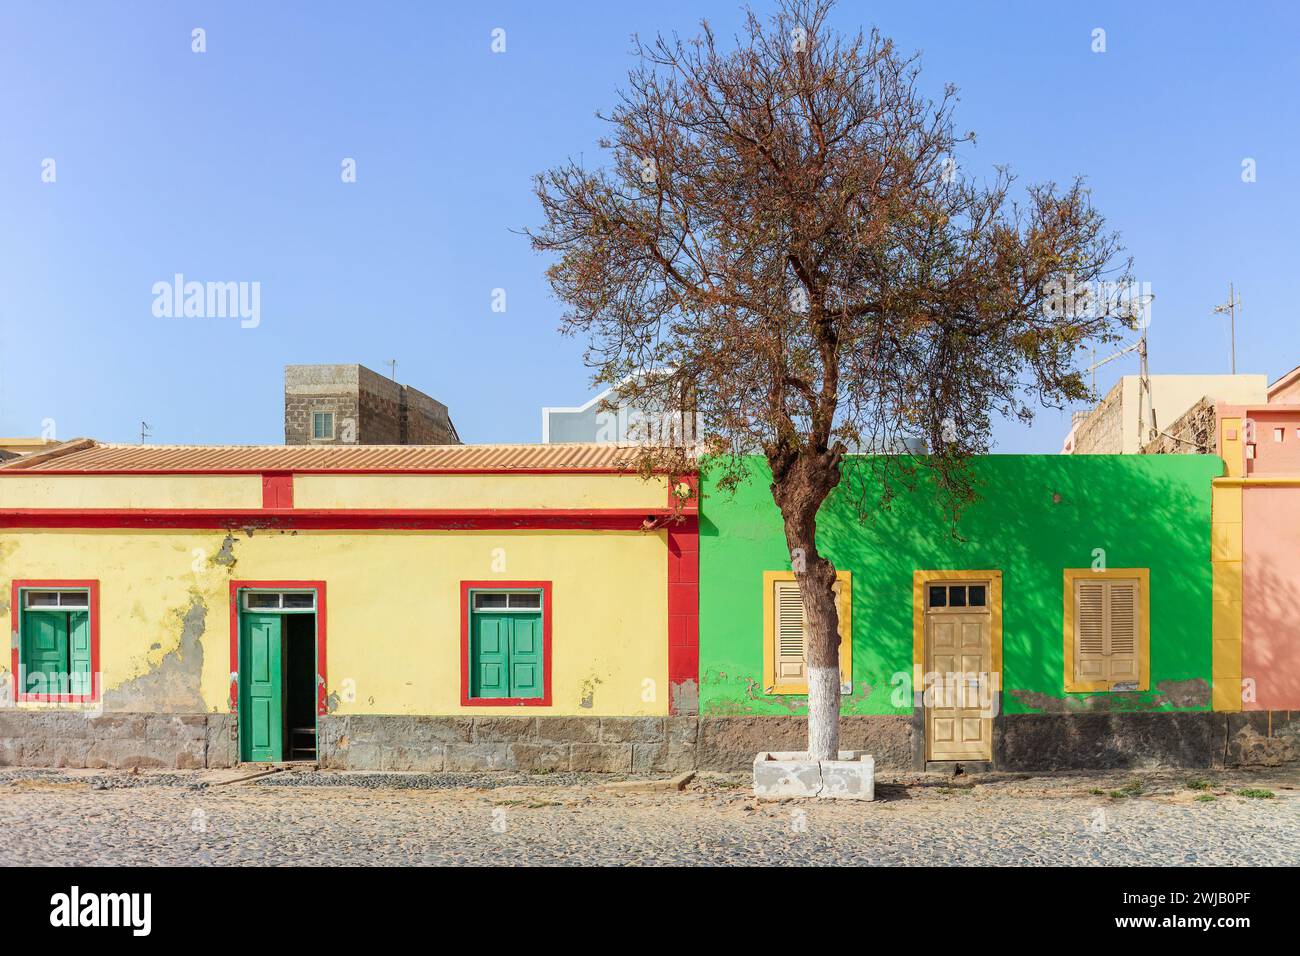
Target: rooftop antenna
column 144, row 431
column 392, row 369
column 1230, row 309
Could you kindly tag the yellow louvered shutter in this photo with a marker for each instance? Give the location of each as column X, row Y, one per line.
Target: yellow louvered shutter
column 1106, row 615
column 1090, row 631
column 791, row 659
column 1122, row 630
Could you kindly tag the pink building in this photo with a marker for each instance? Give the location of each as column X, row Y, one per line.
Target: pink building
column 1257, row 552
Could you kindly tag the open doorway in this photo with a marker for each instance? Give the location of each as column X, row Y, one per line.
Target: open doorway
column 277, row 675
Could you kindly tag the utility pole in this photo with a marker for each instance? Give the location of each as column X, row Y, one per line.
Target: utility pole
column 144, row 431
column 1230, row 309
column 1145, row 433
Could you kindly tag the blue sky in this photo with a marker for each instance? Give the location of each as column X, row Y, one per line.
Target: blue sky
column 225, row 166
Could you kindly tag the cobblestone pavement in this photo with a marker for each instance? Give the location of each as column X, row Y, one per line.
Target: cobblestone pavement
column 385, row 819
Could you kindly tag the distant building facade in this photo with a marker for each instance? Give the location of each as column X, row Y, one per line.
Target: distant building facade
column 16, row 447
column 1255, row 545
column 1122, row 423
column 611, row 419
column 352, row 405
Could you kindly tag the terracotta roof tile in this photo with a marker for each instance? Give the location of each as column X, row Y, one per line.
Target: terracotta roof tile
column 83, row 455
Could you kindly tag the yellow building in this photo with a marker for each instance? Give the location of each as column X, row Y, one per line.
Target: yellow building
column 394, row 607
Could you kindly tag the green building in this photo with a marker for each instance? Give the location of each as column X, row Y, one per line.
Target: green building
column 1063, row 621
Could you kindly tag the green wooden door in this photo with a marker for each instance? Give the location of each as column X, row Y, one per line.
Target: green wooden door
column 80, row 677
column 45, row 652
column 506, row 655
column 526, row 656
column 491, row 655
column 261, row 690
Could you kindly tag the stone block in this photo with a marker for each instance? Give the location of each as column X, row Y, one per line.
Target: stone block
column 117, row 726
column 222, row 741
column 176, row 727
column 573, row 730
column 480, row 756
column 55, row 752
column 441, row 730
column 682, row 730
column 533, row 757
column 631, row 729
column 504, row 729
column 601, row 758
column 782, row 775
column 426, row 758
column 663, row 758
column 121, row 754
column 359, row 756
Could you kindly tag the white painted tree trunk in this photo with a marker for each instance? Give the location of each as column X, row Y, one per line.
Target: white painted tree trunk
column 823, row 713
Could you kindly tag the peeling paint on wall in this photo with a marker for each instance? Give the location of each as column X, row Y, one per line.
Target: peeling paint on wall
column 1186, row 693
column 685, row 697
column 225, row 556
column 174, row 684
column 589, row 692
column 1179, row 694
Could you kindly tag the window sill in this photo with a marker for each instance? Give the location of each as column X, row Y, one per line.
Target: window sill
column 505, row 702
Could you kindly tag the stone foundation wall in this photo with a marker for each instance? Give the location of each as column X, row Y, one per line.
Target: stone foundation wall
column 116, row 741
column 663, row 745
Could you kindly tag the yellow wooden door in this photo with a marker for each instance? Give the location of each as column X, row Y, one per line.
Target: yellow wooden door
column 959, row 684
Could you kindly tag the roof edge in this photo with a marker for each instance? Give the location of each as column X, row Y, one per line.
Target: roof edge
column 58, row 451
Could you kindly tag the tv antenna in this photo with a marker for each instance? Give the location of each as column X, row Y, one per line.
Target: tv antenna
column 392, row 369
column 1229, row 309
column 145, row 431
column 1144, row 374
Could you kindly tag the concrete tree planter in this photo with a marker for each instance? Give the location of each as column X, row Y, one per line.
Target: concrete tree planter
column 784, row 774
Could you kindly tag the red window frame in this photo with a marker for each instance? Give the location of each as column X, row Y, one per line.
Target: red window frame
column 322, row 674
column 16, row 611
column 465, row 699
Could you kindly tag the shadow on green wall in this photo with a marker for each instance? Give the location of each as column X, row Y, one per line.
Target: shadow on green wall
column 1036, row 516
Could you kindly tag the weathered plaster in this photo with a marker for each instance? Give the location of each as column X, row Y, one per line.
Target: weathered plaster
column 173, row 685
column 225, row 556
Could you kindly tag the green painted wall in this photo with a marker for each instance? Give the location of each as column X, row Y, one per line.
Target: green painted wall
column 1037, row 516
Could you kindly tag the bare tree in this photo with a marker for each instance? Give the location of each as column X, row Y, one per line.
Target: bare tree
column 782, row 234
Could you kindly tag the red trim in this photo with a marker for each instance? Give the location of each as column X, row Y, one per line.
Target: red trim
column 322, row 673
column 5, row 472
column 465, row 699
column 277, row 490
column 554, row 519
column 688, row 506
column 683, row 611
column 15, row 613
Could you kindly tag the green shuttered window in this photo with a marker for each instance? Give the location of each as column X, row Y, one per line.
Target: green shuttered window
column 506, row 644
column 55, row 646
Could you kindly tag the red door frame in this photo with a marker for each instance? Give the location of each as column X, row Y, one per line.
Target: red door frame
column 321, row 674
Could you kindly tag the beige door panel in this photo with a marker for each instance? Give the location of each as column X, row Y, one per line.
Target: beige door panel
column 959, row 660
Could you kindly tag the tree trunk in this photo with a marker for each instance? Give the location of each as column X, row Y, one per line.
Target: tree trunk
column 799, row 490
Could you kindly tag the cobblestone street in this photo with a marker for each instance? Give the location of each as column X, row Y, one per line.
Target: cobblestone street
column 381, row 819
